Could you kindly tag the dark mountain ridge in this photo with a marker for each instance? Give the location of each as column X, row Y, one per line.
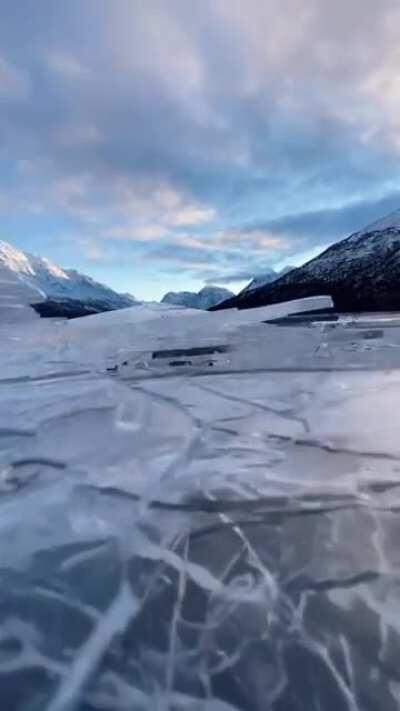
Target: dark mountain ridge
column 360, row 273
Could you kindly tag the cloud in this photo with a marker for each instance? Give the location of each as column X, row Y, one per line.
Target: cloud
column 144, row 233
column 251, row 238
column 234, row 278
column 191, row 216
column 93, row 252
column 331, row 224
column 147, row 215
column 66, row 65
column 242, row 133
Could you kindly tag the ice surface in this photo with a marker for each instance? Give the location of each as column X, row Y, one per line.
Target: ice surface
column 200, row 537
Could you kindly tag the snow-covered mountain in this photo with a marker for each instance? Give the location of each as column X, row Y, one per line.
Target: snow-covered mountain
column 66, row 291
column 266, row 277
column 211, row 296
column 204, row 299
column 16, row 297
column 360, row 273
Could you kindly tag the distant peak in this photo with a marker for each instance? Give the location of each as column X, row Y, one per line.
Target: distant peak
column 52, row 268
column 390, row 221
column 58, row 284
column 205, row 298
column 14, row 259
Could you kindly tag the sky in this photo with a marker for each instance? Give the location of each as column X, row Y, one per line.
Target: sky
column 166, row 144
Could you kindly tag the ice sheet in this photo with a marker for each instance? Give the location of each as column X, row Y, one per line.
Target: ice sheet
column 199, row 537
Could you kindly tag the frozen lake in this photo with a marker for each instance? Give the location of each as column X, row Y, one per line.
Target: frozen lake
column 200, row 512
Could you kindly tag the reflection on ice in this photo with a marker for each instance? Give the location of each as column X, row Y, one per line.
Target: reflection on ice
column 199, row 538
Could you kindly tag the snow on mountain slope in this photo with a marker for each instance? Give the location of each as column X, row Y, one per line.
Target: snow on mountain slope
column 266, row 277
column 204, row 299
column 391, row 220
column 65, row 289
column 15, row 297
column 285, row 271
column 360, row 273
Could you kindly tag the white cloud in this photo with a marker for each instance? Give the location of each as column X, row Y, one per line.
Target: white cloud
column 142, row 233
column 146, row 211
column 160, row 123
column 66, row 65
column 93, row 251
column 251, row 239
column 192, row 216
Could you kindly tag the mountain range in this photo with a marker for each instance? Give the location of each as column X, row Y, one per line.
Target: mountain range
column 360, row 273
column 210, row 296
column 204, row 299
column 65, row 292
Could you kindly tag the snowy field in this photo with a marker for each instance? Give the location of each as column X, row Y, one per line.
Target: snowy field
column 199, row 511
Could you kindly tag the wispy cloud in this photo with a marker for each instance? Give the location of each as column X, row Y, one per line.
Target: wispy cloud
column 181, row 133
column 66, row 65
